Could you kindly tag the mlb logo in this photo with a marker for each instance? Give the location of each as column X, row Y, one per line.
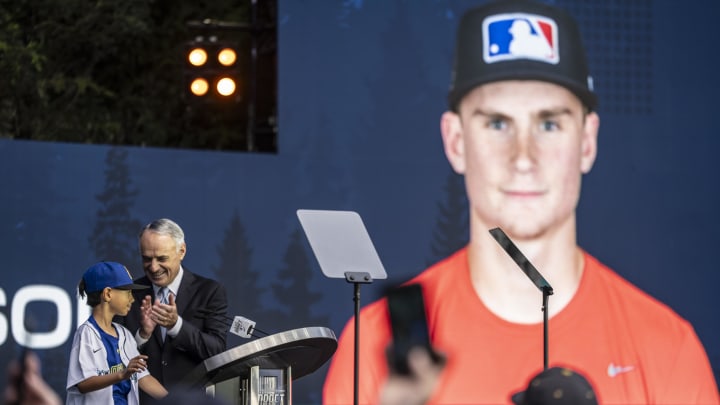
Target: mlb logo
column 520, row 36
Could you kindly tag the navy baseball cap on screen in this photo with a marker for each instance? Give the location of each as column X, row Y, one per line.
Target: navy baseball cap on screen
column 109, row 274
column 559, row 386
column 519, row 40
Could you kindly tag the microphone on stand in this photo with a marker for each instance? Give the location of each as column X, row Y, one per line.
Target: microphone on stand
column 242, row 327
column 239, row 325
column 534, row 276
column 520, row 259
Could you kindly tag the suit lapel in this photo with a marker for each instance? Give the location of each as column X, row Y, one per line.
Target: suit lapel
column 182, row 300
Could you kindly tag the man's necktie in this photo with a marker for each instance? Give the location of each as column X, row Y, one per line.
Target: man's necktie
column 162, row 296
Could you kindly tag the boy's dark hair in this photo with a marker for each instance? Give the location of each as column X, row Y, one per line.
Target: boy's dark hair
column 93, row 298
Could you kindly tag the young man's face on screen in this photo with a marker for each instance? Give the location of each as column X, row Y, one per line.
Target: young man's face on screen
column 523, row 147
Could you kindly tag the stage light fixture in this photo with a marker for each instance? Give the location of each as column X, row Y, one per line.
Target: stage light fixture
column 226, row 86
column 227, row 56
column 239, row 65
column 212, row 61
column 199, row 87
column 197, row 56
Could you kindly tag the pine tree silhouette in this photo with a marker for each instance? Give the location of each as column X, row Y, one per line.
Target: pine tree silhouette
column 234, row 271
column 292, row 287
column 292, row 291
column 115, row 235
column 452, row 226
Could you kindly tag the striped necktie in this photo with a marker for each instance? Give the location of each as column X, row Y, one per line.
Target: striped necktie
column 162, row 296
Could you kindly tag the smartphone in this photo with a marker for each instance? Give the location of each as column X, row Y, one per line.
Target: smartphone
column 409, row 326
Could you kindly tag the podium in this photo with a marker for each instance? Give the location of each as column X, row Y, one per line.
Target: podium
column 260, row 372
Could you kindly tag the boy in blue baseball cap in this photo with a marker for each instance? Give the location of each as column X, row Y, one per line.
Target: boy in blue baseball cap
column 105, row 365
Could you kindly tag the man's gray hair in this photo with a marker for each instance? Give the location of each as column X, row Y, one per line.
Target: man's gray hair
column 166, row 226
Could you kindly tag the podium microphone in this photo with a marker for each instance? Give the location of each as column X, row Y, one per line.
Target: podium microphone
column 242, row 327
column 532, row 273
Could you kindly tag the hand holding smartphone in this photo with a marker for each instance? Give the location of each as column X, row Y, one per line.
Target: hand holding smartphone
column 406, row 307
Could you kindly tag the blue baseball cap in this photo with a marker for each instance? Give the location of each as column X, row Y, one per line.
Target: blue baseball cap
column 109, row 274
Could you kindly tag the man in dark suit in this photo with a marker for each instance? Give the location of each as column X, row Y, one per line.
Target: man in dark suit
column 180, row 321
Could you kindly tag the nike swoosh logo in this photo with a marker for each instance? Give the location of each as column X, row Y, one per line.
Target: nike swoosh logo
column 97, row 350
column 614, row 370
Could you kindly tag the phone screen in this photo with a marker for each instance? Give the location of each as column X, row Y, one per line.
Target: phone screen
column 409, row 325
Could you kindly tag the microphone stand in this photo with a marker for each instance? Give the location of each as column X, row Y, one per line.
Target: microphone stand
column 534, row 275
column 357, row 278
column 547, row 291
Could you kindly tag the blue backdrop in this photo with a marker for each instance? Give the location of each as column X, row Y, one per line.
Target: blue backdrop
column 362, row 85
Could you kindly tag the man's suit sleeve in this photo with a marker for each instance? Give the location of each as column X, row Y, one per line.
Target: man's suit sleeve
column 204, row 336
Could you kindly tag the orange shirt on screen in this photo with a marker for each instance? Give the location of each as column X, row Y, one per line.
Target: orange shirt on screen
column 633, row 349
